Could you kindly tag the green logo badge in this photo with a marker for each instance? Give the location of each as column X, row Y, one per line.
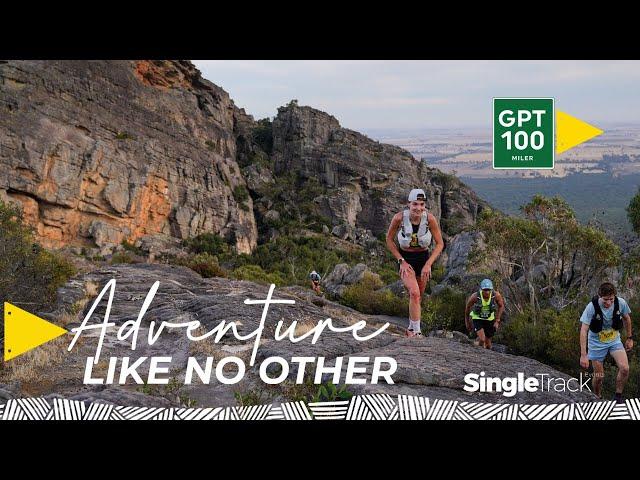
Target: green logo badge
column 523, row 130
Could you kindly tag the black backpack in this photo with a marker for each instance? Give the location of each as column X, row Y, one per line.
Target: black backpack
column 477, row 308
column 598, row 316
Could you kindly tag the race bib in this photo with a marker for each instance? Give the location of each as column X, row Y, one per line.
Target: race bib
column 606, row 336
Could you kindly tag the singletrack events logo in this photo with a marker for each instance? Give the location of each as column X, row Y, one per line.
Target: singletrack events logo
column 510, row 386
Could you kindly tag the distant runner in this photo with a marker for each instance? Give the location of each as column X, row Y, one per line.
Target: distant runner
column 315, row 282
column 602, row 321
column 414, row 229
column 483, row 312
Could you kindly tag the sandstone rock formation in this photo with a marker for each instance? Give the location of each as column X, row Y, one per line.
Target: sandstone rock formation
column 342, row 276
column 98, row 152
column 367, row 182
column 102, row 152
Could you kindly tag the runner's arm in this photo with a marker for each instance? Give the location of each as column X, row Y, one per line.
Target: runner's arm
column 584, row 331
column 500, row 302
column 393, row 229
column 437, row 237
column 627, row 326
column 467, row 309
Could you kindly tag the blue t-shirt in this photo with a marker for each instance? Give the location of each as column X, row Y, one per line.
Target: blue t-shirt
column 607, row 313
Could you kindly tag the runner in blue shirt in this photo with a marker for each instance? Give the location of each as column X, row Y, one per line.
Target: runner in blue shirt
column 602, row 321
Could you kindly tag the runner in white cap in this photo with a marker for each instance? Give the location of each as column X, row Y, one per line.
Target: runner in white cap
column 414, row 229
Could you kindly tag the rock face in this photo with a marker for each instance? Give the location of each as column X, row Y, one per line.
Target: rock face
column 342, row 276
column 367, row 182
column 98, row 152
column 102, row 152
column 433, row 367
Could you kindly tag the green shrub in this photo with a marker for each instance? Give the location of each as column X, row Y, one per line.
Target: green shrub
column 130, row 247
column 240, row 193
column 524, row 337
column 564, row 339
column 252, row 397
column 366, row 297
column 293, row 258
column 210, row 243
column 263, row 135
column 388, row 272
column 328, row 392
column 205, row 264
column 125, row 136
column 29, row 274
column 453, row 225
column 122, row 257
column 255, row 273
column 444, row 311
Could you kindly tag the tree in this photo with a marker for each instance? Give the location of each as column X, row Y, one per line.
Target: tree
column 633, row 212
column 29, row 274
column 549, row 251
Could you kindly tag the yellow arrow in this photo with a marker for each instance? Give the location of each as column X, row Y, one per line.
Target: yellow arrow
column 571, row 131
column 24, row 331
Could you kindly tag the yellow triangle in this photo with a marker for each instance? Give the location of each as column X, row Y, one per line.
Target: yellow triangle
column 571, row 131
column 24, row 331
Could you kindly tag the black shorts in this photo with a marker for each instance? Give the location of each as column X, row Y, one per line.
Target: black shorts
column 415, row 259
column 486, row 325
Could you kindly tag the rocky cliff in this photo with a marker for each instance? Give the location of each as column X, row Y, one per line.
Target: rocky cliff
column 366, row 182
column 108, row 151
column 100, row 152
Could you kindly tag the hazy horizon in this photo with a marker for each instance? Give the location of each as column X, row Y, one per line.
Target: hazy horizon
column 423, row 95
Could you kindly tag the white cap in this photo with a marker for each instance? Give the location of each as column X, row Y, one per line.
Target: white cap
column 416, row 193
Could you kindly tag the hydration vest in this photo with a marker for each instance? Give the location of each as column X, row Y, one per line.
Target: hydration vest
column 484, row 310
column 408, row 239
column 598, row 317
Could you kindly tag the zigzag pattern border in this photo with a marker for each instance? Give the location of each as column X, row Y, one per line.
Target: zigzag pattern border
column 360, row 407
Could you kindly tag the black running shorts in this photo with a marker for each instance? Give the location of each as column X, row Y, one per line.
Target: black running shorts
column 486, row 325
column 416, row 260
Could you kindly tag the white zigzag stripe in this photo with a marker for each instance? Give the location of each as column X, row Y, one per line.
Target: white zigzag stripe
column 98, row 411
column 599, row 410
column 441, row 409
column 254, row 412
column 34, row 408
column 361, row 407
column 620, row 412
column 198, row 413
column 510, row 412
column 295, row 411
column 329, row 410
column 64, row 409
column 633, row 407
column 461, row 414
column 275, row 414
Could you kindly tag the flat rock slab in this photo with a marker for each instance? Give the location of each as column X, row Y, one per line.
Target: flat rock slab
column 427, row 366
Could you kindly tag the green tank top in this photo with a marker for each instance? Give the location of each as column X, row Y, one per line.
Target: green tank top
column 485, row 312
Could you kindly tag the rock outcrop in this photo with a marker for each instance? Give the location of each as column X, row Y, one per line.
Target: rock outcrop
column 433, row 367
column 342, row 276
column 99, row 151
column 366, row 182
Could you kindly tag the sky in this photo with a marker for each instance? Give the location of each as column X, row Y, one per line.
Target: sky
column 366, row 95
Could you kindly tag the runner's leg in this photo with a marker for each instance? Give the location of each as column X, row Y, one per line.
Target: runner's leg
column 620, row 356
column 598, row 376
column 482, row 338
column 410, row 283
